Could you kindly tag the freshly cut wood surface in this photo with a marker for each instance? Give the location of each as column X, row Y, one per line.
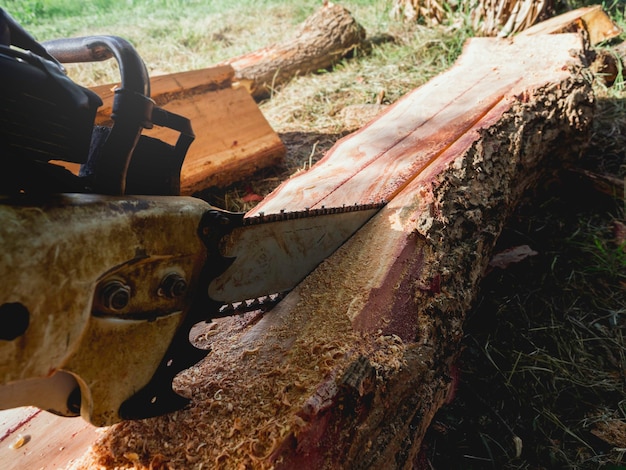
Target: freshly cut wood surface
column 377, row 161
column 35, row 439
column 233, row 138
column 591, row 19
column 350, row 367
column 322, row 40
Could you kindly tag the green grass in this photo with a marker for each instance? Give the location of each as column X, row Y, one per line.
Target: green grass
column 177, row 35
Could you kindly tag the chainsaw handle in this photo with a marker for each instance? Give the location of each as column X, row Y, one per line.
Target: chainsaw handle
column 134, row 75
column 132, row 106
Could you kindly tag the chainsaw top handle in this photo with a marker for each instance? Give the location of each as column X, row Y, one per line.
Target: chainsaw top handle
column 134, row 74
column 132, row 105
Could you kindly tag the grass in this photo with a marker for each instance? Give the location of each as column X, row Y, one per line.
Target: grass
column 175, row 35
column 542, row 373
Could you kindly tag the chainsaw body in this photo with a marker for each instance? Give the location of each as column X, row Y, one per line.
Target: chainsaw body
column 99, row 286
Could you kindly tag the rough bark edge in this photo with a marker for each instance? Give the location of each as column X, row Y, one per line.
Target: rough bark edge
column 541, row 135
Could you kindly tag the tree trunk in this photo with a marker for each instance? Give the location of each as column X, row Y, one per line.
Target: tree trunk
column 324, row 39
column 348, row 370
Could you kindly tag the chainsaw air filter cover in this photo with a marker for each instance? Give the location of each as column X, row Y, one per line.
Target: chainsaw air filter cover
column 43, row 114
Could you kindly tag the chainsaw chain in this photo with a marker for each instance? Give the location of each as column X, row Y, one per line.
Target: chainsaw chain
column 260, row 304
column 261, row 218
column 267, row 302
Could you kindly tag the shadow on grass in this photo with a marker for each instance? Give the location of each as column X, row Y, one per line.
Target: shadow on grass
column 542, row 372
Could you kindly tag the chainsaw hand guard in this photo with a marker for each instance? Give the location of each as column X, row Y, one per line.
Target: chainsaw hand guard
column 46, row 116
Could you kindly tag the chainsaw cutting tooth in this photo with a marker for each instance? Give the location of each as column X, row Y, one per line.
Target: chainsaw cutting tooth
column 263, row 304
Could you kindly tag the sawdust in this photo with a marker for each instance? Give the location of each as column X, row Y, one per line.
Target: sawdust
column 251, row 392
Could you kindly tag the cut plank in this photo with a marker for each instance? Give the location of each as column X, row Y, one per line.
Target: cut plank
column 323, row 39
column 233, row 138
column 350, row 367
column 591, row 19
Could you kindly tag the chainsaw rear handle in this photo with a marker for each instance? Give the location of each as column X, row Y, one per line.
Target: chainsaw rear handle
column 132, row 106
column 134, row 75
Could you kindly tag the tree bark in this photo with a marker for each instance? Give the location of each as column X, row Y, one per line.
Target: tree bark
column 324, row 39
column 489, row 17
column 348, row 370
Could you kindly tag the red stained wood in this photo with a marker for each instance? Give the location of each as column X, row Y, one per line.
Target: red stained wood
column 379, row 160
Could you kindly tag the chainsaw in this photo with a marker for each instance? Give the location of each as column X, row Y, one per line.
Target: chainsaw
column 106, row 270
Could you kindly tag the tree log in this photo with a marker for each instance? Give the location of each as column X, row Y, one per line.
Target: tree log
column 348, row 370
column 323, row 39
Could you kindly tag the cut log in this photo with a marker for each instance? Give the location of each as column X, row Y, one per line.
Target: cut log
column 348, row 370
column 233, row 138
column 323, row 39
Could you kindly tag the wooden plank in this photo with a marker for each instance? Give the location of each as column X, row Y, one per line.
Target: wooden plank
column 591, row 19
column 164, row 88
column 49, row 442
column 351, row 366
column 233, row 138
